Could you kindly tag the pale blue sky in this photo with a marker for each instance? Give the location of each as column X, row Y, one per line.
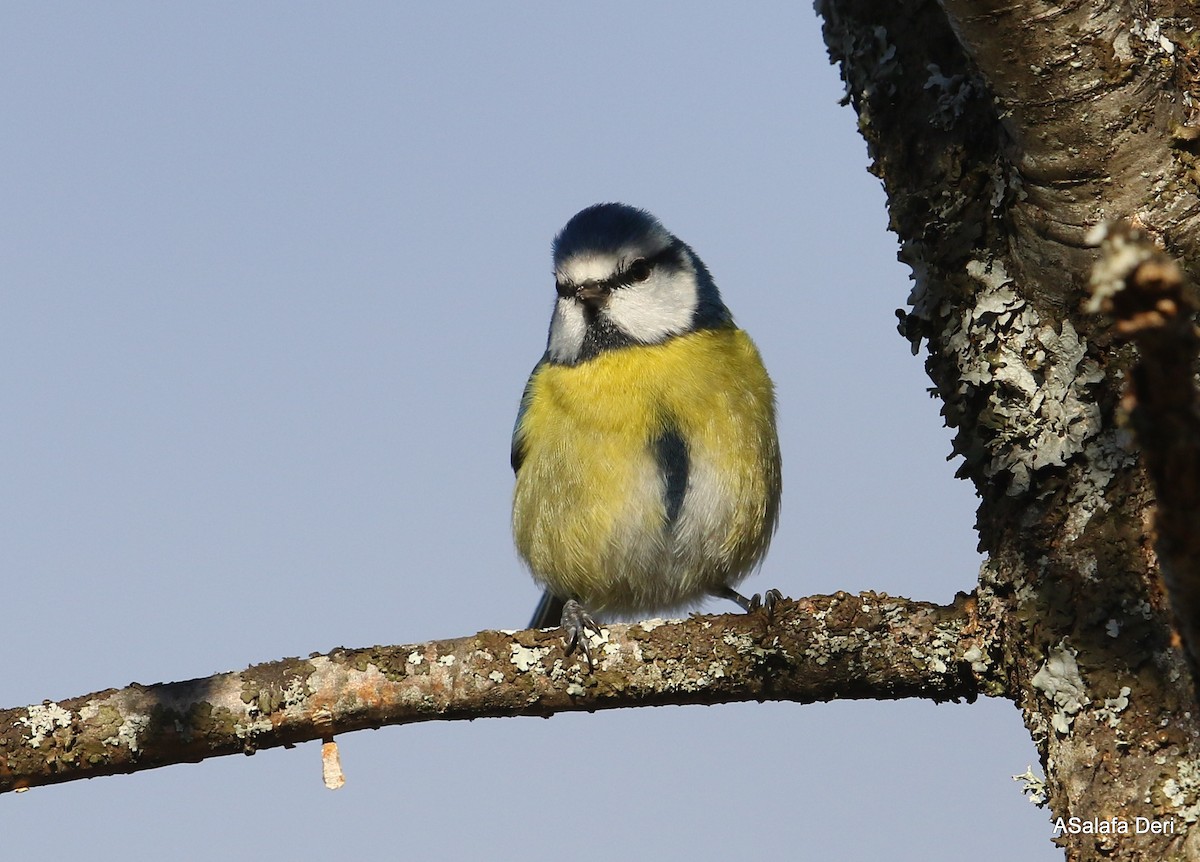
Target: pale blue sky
column 273, row 276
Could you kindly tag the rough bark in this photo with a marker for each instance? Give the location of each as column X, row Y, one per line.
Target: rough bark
column 1143, row 293
column 815, row 649
column 1003, row 133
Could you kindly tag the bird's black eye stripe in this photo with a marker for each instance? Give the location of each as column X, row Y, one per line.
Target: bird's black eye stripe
column 640, row 268
column 637, row 270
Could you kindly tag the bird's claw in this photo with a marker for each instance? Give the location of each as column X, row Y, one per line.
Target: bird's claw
column 576, row 623
column 766, row 601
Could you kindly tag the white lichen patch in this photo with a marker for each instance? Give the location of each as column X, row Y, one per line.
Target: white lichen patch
column 1103, row 457
column 977, row 658
column 1038, row 729
column 1006, row 184
column 739, row 642
column 1183, row 791
column 931, row 661
column 560, row 671
column 252, row 728
column 1033, row 786
column 414, row 658
column 746, row 645
column 128, row 733
column 295, row 693
column 1113, row 707
column 1059, row 680
column 824, row 646
column 527, row 658
column 1087, row 567
column 673, row 675
column 42, row 720
column 651, row 625
column 496, row 677
column 1151, row 33
column 447, row 660
column 1035, row 379
column 945, row 644
column 937, row 651
column 936, row 665
column 598, row 641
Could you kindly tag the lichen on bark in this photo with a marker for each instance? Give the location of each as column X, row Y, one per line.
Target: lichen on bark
column 1003, row 133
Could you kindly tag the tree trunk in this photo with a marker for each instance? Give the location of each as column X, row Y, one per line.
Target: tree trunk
column 1003, row 133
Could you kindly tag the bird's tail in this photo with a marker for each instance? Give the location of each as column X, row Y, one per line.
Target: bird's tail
column 548, row 613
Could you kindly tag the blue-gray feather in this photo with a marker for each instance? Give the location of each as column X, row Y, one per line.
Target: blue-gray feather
column 711, row 312
column 516, row 455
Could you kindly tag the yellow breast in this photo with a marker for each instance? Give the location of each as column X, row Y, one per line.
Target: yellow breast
column 589, row 510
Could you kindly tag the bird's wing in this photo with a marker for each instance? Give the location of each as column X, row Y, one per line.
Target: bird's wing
column 517, row 452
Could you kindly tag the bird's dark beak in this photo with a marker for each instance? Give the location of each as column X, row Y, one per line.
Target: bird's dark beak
column 593, row 293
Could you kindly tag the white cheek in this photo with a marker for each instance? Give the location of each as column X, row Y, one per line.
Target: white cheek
column 567, row 328
column 652, row 310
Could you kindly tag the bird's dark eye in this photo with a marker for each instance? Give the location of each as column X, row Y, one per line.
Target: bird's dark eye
column 639, row 270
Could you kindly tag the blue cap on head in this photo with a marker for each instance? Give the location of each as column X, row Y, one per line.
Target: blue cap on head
column 610, row 227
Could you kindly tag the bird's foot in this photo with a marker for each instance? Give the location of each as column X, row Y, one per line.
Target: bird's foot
column 576, row 623
column 766, row 601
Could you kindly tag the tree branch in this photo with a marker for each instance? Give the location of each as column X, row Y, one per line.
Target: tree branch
column 1143, row 290
column 814, row 649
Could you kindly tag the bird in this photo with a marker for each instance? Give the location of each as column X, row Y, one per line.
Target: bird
column 648, row 472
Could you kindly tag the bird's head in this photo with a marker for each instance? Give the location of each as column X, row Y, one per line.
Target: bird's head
column 622, row 280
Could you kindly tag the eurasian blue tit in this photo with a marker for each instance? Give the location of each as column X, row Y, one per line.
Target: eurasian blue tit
column 646, row 457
